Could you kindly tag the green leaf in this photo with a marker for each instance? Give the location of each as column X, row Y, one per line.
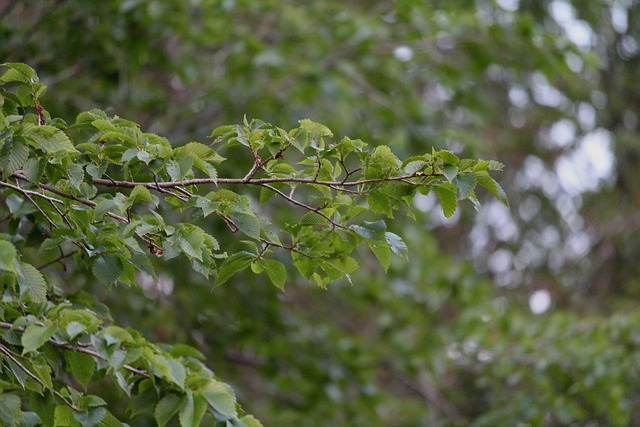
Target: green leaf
column 236, row 262
column 63, row 416
column 193, row 410
column 81, row 365
column 396, row 243
column 371, row 230
column 19, row 72
column 7, row 256
column 315, row 129
column 465, row 182
column 382, row 251
column 380, row 203
column 13, row 156
column 166, row 408
column 447, row 195
column 250, row 421
column 90, row 417
column 221, row 397
column 248, row 224
column 449, row 172
column 35, row 336
column 9, row 408
column 32, row 283
column 141, row 194
column 276, row 271
column 107, row 269
column 51, row 139
column 490, row 184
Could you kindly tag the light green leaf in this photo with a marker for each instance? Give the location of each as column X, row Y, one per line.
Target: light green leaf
column 141, row 194
column 382, row 251
column 447, row 195
column 35, row 336
column 371, row 230
column 168, row 406
column 490, row 184
column 50, row 139
column 250, row 421
column 7, row 256
column 31, row 283
column 276, row 271
column 396, row 243
column 221, row 397
column 19, row 72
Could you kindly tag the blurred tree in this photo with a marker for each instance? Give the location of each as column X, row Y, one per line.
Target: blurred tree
column 547, row 87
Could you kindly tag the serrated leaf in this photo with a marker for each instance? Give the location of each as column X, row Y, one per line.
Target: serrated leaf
column 35, row 336
column 50, row 139
column 396, row 243
column 221, row 397
column 276, row 271
column 485, row 180
column 449, row 172
column 19, row 72
column 104, row 206
column 166, row 408
column 448, row 200
column 312, row 218
column 382, row 251
column 465, row 182
column 63, row 416
column 250, row 421
column 107, row 269
column 315, row 129
column 236, row 262
column 371, row 230
column 8, row 255
column 32, row 283
column 380, row 203
column 248, row 224
column 13, row 156
column 34, row 169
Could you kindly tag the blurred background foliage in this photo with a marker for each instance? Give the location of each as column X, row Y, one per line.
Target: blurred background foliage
column 523, row 315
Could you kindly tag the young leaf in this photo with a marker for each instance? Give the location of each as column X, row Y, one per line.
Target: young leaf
column 221, row 398
column 51, row 139
column 490, row 184
column 35, row 336
column 276, row 271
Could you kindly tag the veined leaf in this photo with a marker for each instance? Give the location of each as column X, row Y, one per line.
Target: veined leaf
column 221, row 398
column 447, row 195
column 107, row 269
column 35, row 336
column 19, row 72
column 167, row 407
column 31, row 283
column 465, row 183
column 490, row 184
column 13, row 156
column 236, row 262
column 276, row 271
column 50, row 139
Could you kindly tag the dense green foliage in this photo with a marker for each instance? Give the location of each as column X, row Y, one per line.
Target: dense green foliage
column 55, row 178
column 547, row 87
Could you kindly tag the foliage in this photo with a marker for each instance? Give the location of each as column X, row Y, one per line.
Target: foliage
column 96, row 191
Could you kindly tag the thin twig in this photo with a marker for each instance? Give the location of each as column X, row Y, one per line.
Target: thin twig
column 37, row 379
